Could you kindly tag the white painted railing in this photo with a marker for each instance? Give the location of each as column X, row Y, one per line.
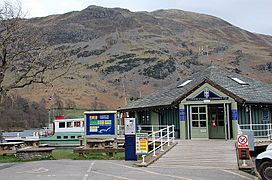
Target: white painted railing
column 141, row 128
column 259, row 130
column 162, row 136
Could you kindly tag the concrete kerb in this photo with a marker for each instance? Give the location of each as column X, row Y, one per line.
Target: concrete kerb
column 151, row 159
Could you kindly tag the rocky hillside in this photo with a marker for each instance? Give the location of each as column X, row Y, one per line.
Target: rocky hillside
column 125, row 55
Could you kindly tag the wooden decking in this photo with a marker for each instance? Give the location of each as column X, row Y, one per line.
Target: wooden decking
column 201, row 153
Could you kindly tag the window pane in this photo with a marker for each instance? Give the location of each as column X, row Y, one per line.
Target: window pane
column 202, row 116
column 202, row 109
column 194, row 109
column 69, row 124
column 62, row 125
column 195, row 123
column 65, row 137
column 58, row 137
column 77, row 124
column 202, row 123
column 73, row 137
column 220, row 122
column 194, row 116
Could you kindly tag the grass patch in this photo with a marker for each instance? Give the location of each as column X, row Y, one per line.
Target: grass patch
column 8, row 158
column 66, row 154
column 12, row 158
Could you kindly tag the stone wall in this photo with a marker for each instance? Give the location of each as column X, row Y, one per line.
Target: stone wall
column 34, row 153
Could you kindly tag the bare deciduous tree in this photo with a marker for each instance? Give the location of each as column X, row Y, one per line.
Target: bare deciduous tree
column 25, row 59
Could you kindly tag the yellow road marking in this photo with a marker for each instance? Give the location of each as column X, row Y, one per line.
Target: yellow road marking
column 151, row 172
column 237, row 174
column 110, row 175
column 34, row 171
column 85, row 177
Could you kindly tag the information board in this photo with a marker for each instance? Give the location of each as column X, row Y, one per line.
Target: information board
column 141, row 143
column 100, row 124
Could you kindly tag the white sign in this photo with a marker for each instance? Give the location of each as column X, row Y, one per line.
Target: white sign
column 242, row 141
column 130, row 126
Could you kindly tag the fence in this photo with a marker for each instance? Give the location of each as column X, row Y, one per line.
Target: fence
column 158, row 136
column 259, row 130
column 162, row 136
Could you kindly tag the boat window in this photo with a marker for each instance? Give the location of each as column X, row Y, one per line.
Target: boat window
column 58, row 137
column 69, row 124
column 73, row 137
column 65, row 137
column 78, row 136
column 77, row 124
column 61, row 124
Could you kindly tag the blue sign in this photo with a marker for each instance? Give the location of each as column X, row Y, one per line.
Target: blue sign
column 265, row 115
column 234, row 114
column 182, row 114
column 100, row 124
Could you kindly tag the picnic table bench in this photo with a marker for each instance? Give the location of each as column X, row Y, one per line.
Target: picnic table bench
column 99, row 143
column 10, row 147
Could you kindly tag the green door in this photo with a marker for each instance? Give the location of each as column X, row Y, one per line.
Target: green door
column 216, row 121
column 199, row 121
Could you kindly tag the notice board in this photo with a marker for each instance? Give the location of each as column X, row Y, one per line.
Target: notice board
column 100, row 123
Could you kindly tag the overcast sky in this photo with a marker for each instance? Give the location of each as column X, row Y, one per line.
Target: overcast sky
column 252, row 15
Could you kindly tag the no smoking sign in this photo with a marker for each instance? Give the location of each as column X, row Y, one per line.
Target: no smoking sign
column 242, row 141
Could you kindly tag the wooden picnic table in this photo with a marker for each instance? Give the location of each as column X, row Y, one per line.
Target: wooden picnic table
column 10, row 147
column 99, row 143
column 32, row 142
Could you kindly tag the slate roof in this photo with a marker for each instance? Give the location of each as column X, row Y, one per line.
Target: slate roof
column 255, row 92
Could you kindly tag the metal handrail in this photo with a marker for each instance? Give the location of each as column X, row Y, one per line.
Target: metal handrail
column 259, row 130
column 168, row 137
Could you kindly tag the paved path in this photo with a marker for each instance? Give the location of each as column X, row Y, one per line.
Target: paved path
column 201, row 153
column 110, row 170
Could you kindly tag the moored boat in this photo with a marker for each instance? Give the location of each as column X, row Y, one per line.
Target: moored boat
column 63, row 132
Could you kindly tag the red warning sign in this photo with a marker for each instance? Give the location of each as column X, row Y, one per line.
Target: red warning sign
column 242, row 141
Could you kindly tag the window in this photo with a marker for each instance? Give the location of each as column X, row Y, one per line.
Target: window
column 185, row 83
column 58, row 137
column 144, row 118
column 61, row 124
column 239, row 81
column 73, row 137
column 69, row 124
column 199, row 117
column 78, row 137
column 77, row 124
column 65, row 137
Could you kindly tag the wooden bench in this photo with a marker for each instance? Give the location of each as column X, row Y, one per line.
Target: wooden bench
column 99, row 143
column 109, row 151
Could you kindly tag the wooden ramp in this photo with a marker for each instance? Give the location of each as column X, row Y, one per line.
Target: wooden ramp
column 200, row 153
